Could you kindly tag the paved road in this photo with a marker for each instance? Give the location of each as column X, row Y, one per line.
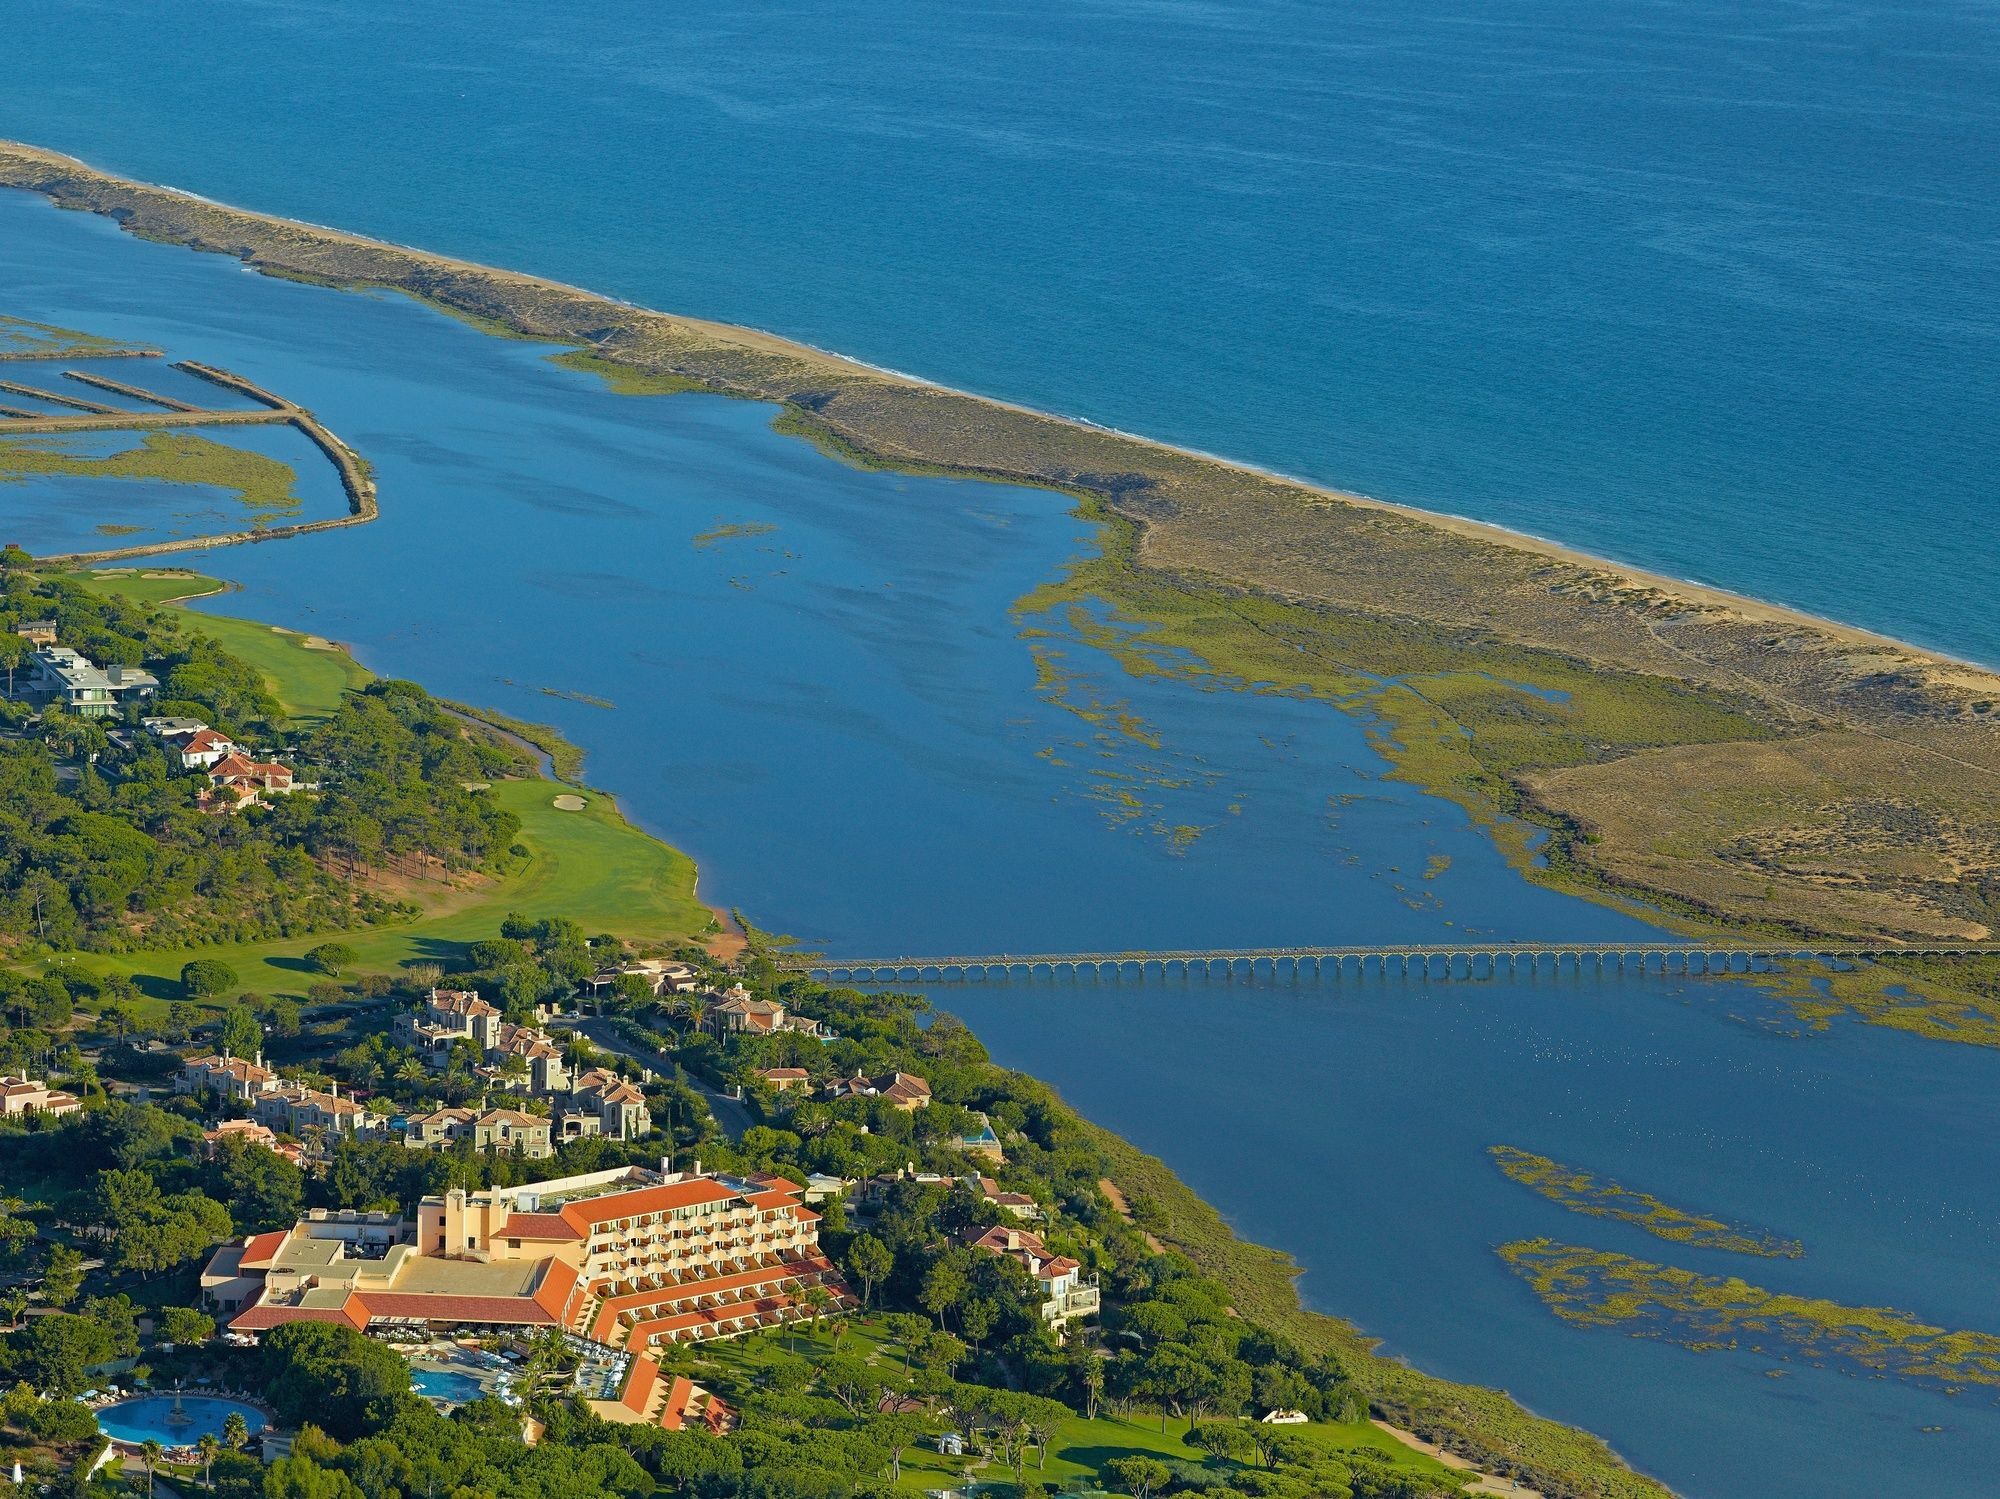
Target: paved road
column 729, row 1112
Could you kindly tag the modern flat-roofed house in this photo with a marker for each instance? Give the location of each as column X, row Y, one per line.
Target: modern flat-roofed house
column 1065, row 1294
column 82, row 686
column 628, row 1259
column 22, row 1095
column 171, row 728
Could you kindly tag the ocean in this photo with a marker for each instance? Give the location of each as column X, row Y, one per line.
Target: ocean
column 1708, row 287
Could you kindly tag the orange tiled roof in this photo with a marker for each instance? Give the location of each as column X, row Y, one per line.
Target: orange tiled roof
column 593, row 1210
column 257, row 1252
column 642, row 1377
column 674, row 1413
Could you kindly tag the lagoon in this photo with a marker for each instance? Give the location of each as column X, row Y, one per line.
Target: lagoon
column 818, row 689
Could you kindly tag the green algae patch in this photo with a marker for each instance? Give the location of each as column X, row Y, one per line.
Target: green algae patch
column 716, row 535
column 1596, row 1288
column 264, row 485
column 623, row 379
column 1941, row 998
column 20, row 336
column 1595, row 1197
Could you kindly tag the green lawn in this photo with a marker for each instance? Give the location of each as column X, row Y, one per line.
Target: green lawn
column 1079, row 1450
column 308, row 682
column 590, row 864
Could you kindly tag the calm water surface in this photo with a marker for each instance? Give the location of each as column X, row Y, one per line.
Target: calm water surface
column 171, row 1423
column 1705, row 284
column 820, row 692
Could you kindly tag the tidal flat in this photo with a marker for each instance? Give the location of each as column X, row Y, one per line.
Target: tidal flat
column 1710, row 1313
column 1592, row 1195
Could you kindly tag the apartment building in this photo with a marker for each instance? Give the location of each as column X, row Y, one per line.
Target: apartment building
column 629, row 1258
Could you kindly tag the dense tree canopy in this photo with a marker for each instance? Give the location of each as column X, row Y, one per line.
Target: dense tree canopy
column 102, row 844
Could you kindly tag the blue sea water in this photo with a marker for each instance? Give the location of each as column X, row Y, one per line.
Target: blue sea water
column 1707, row 287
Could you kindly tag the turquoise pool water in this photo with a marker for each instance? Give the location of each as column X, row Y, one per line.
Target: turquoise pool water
column 153, row 1418
column 446, row 1385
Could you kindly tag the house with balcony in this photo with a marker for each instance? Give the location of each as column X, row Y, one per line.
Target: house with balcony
column 76, row 682
column 294, row 1108
column 617, row 1103
column 225, row 1078
column 502, row 1131
column 628, row 1259
column 1066, row 1296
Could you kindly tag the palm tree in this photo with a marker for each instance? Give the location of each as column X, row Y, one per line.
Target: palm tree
column 236, row 1432
column 14, row 1306
column 151, row 1451
column 207, row 1447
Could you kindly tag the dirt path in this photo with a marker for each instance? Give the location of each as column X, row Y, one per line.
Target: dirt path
column 1485, row 1483
column 1123, row 1209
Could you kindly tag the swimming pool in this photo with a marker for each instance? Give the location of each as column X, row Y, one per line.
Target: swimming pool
column 447, row 1386
column 175, row 1420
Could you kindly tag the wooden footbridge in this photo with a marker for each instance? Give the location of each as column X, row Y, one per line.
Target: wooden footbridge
column 1434, row 960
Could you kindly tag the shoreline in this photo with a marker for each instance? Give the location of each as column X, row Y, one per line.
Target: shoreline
column 1474, row 1430
column 1703, row 595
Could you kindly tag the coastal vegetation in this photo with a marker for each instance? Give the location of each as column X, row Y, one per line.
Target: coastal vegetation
column 597, row 874
column 1595, row 1197
column 1596, row 1288
column 265, row 486
column 1484, row 1426
column 450, row 819
column 106, row 845
column 1942, row 998
column 731, row 531
column 1511, row 696
column 951, row 1342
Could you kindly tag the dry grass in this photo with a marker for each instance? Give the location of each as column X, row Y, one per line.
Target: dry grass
column 1836, row 832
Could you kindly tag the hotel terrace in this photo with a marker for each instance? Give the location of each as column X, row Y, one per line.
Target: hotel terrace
column 629, row 1259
